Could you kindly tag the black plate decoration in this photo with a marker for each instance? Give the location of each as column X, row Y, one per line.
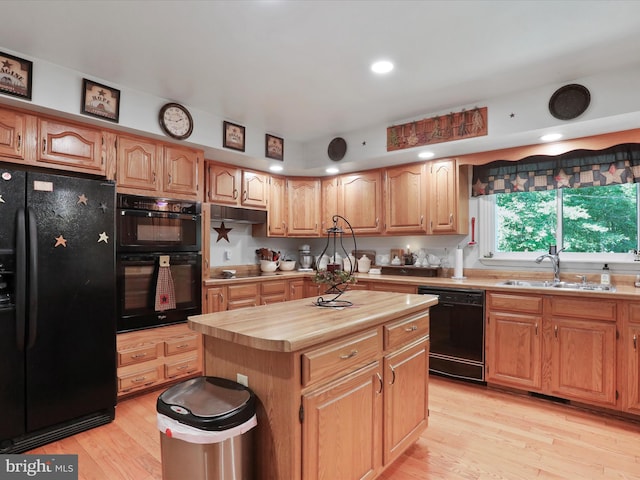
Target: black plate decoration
column 569, row 102
column 337, row 149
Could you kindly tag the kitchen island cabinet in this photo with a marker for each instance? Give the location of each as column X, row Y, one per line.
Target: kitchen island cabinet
column 631, row 359
column 354, row 368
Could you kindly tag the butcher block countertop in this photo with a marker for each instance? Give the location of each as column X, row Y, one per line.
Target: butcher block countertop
column 299, row 324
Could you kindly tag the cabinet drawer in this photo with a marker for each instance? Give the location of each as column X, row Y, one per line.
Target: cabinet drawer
column 274, row 288
column 634, row 312
column 514, row 303
column 181, row 344
column 341, row 356
column 182, row 367
column 583, row 308
column 406, row 330
column 139, row 379
column 137, row 354
column 246, row 290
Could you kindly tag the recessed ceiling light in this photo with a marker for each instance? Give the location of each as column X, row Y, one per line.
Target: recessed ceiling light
column 275, row 168
column 332, row 170
column 551, row 137
column 426, row 154
column 382, row 66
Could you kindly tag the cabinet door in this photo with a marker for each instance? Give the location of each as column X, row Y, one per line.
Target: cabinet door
column 243, row 295
column 180, row 171
column 360, row 201
column 406, row 398
column 71, row 146
column 223, row 184
column 277, row 213
column 342, row 427
column 304, row 207
column 448, row 198
column 255, row 189
column 273, row 292
column 296, row 289
column 312, row 289
column 514, row 349
column 137, row 164
column 12, row 134
column 405, row 199
column 583, row 356
column 329, row 196
column 632, row 350
column 216, row 299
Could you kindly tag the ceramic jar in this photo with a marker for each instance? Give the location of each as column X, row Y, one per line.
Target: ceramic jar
column 364, row 264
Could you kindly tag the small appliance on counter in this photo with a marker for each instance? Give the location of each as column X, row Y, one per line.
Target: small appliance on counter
column 305, row 259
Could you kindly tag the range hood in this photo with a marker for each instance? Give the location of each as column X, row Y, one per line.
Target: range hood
column 221, row 213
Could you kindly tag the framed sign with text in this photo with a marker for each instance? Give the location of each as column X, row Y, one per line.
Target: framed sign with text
column 15, row 76
column 274, row 147
column 100, row 101
column 233, row 136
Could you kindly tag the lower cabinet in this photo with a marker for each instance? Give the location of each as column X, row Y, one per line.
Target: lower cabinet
column 150, row 358
column 357, row 422
column 631, row 360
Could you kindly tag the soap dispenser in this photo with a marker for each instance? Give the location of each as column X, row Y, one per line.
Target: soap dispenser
column 605, row 278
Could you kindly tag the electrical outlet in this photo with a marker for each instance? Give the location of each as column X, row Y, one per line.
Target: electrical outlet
column 242, row 379
column 227, row 254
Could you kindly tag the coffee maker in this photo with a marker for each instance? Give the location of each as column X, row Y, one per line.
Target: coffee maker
column 305, row 259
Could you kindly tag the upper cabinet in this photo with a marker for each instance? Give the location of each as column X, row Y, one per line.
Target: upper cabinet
column 277, row 213
column 329, row 195
column 405, row 199
column 13, row 130
column 147, row 168
column 228, row 185
column 303, row 196
column 71, row 146
column 448, row 191
column 360, row 201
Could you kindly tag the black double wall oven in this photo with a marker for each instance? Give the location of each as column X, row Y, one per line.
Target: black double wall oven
column 148, row 229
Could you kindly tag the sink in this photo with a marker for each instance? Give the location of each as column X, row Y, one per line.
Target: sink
column 597, row 287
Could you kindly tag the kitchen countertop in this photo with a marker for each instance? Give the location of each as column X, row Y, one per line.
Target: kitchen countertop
column 298, row 324
column 476, row 278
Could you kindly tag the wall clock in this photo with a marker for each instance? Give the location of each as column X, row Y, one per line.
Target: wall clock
column 176, row 121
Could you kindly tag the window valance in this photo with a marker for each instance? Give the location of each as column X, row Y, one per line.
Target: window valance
column 579, row 168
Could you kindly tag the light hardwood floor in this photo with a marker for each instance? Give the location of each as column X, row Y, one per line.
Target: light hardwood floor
column 474, row 433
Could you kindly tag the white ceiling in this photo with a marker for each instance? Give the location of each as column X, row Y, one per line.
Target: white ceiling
column 300, row 69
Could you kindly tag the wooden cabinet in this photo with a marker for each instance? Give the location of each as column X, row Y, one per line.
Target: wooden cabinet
column 582, row 337
column 180, row 171
column 277, row 213
column 273, row 291
column 243, row 295
column 329, row 197
column 228, row 185
column 215, row 299
column 304, row 205
column 145, row 167
column 297, row 289
column 71, row 146
column 630, row 354
column 360, row 201
column 406, row 199
column 13, row 134
column 137, row 165
column 151, row 358
column 393, row 287
column 342, row 427
column 448, row 193
column 514, row 340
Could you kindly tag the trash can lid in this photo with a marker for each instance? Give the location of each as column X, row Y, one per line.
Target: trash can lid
column 209, row 403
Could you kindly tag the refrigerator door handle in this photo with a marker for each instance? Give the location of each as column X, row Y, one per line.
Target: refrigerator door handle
column 33, row 277
column 21, row 279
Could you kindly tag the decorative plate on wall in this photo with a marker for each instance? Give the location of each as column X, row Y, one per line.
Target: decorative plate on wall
column 569, row 102
column 337, row 149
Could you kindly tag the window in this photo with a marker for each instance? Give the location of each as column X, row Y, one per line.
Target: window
column 583, row 220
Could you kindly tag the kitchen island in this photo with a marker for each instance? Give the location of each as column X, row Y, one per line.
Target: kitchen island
column 342, row 392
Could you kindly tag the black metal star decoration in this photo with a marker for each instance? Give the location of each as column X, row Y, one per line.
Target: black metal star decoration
column 223, row 232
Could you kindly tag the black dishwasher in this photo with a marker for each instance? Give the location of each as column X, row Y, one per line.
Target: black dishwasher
column 456, row 332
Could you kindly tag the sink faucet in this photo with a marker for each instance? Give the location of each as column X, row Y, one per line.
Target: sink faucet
column 554, row 256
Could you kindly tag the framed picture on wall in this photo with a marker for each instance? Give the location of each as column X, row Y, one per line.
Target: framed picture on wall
column 100, row 101
column 15, row 76
column 274, row 147
column 233, row 136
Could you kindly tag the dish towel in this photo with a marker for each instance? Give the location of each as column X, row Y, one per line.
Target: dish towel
column 165, row 293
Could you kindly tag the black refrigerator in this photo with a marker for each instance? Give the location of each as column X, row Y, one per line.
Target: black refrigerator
column 57, row 306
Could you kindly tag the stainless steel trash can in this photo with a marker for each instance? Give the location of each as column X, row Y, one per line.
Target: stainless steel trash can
column 206, row 430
